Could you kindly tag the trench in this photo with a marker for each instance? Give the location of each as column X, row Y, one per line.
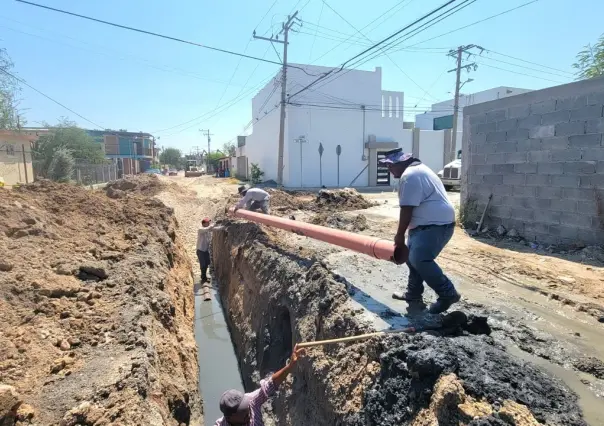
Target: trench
column 274, row 298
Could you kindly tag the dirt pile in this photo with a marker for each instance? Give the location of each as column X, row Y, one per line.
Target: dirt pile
column 143, row 184
column 340, row 221
column 412, row 365
column 326, row 201
column 276, row 299
column 97, row 307
column 342, row 200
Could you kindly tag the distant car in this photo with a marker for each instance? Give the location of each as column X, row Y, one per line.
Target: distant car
column 450, row 175
column 153, row 171
column 173, row 172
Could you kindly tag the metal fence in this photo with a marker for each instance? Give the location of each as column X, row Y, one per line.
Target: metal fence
column 91, row 174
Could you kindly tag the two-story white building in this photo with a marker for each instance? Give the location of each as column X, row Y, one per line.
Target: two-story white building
column 348, row 109
column 440, row 116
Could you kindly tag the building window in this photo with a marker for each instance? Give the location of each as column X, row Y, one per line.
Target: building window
column 442, row 123
column 390, row 106
column 397, row 107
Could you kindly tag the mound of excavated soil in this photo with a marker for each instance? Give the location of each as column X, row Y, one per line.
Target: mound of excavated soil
column 143, row 184
column 339, row 221
column 97, row 309
column 326, row 201
column 412, row 365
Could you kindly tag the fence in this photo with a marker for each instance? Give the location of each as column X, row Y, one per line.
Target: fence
column 91, row 174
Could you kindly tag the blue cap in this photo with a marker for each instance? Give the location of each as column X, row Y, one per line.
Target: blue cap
column 395, row 156
column 234, row 401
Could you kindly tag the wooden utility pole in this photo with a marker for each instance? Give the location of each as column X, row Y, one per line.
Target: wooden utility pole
column 458, row 53
column 208, row 134
column 285, row 27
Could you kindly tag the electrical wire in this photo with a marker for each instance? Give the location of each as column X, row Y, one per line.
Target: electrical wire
column 332, row 71
column 20, row 80
column 315, row 37
column 529, row 62
column 125, row 27
column 473, row 23
column 411, row 33
column 527, row 68
column 520, row 73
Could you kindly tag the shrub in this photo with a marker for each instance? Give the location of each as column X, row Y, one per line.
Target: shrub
column 61, row 166
column 256, row 174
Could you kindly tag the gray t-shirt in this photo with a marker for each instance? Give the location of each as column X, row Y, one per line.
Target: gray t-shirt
column 253, row 194
column 422, row 189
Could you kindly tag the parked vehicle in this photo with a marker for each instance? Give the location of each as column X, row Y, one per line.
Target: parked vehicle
column 153, row 171
column 173, row 172
column 450, row 175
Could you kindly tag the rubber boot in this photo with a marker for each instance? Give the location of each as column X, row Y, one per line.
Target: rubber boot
column 443, row 303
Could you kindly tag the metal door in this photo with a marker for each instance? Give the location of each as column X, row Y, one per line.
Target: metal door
column 383, row 175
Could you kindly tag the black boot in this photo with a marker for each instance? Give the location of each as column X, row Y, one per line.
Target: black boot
column 443, row 303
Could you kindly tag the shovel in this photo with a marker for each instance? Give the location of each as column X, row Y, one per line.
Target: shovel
column 452, row 320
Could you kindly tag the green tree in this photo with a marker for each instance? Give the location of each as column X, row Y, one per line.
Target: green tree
column 61, row 166
column 171, row 157
column 214, row 157
column 590, row 61
column 9, row 90
column 66, row 135
column 229, row 149
column 256, row 174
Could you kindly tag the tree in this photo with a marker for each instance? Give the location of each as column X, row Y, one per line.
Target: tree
column 66, row 135
column 214, row 157
column 590, row 61
column 171, row 157
column 229, row 149
column 9, row 90
column 61, row 166
column 256, row 174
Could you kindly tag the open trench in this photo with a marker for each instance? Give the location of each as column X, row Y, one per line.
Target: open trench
column 274, row 298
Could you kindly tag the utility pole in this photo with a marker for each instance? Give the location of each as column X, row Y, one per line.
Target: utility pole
column 285, row 27
column 458, row 53
column 208, row 134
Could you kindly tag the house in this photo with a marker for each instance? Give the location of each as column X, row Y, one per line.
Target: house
column 134, row 152
column 441, row 114
column 335, row 132
column 15, row 157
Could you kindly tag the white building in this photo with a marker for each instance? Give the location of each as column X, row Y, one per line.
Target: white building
column 441, row 114
column 348, row 109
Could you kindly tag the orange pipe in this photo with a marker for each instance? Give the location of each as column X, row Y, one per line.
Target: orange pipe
column 372, row 246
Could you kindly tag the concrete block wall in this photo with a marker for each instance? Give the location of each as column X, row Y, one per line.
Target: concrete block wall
column 541, row 155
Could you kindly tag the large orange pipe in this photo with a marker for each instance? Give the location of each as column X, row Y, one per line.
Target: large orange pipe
column 372, row 246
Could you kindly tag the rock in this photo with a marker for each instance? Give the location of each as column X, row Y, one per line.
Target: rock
column 485, row 230
column 76, row 415
column 25, row 412
column 593, row 252
column 517, row 414
column 65, row 269
column 9, row 402
column 64, row 345
column 6, row 266
column 29, row 221
column 74, row 341
column 601, row 319
column 512, row 233
column 472, row 409
column 95, row 269
column 20, row 233
column 566, row 280
column 65, row 314
column 501, row 231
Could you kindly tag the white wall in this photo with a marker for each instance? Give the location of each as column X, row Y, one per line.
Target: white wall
column 431, row 146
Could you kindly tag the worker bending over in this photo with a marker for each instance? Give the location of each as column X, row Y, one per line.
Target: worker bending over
column 241, row 409
column 430, row 218
column 253, row 199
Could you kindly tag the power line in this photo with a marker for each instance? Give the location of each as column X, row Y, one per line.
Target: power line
column 529, row 62
column 216, row 49
column 525, row 67
column 408, row 35
column 520, row 73
column 49, row 98
column 315, row 38
column 332, row 71
column 473, row 23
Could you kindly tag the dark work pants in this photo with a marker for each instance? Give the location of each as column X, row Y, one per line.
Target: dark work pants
column 204, row 263
column 425, row 244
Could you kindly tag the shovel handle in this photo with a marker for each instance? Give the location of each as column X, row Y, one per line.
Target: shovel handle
column 353, row 338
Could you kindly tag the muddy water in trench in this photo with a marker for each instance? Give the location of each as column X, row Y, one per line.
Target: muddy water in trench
column 218, row 366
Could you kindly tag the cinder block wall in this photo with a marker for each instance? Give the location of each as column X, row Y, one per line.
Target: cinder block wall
column 541, row 155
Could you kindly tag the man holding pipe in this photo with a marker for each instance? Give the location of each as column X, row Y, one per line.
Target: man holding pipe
column 241, row 409
column 253, row 199
column 429, row 216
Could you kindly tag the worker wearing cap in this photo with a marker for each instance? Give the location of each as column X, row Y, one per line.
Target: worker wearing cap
column 253, row 199
column 429, row 216
column 204, row 236
column 241, row 409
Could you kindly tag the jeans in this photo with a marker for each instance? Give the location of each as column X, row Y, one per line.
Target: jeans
column 259, row 205
column 204, row 263
column 425, row 244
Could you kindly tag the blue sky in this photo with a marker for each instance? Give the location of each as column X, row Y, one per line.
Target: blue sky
column 121, row 79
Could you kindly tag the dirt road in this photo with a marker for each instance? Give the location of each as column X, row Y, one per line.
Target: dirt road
column 545, row 307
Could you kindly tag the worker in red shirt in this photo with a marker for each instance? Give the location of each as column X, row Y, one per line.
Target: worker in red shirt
column 241, row 409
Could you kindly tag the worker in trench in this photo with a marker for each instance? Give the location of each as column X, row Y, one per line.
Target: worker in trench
column 253, row 199
column 429, row 216
column 204, row 238
column 241, row 409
